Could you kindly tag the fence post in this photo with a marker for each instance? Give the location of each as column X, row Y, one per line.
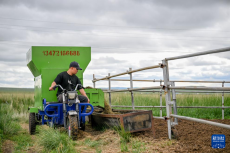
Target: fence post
column 174, row 105
column 93, row 81
column 223, row 101
column 131, row 86
column 167, row 95
column 161, row 99
column 109, row 90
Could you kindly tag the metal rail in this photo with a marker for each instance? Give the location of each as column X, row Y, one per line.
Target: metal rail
column 134, row 89
column 202, row 121
column 177, row 91
column 202, row 88
column 171, row 81
column 199, row 53
column 161, row 118
column 127, row 72
column 165, row 106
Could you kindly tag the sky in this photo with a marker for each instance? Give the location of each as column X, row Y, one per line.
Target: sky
column 122, row 35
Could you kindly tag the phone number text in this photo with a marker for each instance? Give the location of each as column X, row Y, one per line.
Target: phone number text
column 61, row 53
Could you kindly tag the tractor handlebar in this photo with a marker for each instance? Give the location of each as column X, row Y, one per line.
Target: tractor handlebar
column 63, row 88
column 57, row 86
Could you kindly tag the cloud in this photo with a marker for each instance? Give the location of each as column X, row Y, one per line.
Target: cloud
column 122, row 35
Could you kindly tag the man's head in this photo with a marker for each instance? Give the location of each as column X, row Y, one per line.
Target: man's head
column 75, row 64
column 74, row 67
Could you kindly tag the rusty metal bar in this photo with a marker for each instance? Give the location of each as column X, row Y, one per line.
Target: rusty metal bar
column 128, row 72
column 202, row 121
column 202, row 88
column 199, row 53
column 125, row 118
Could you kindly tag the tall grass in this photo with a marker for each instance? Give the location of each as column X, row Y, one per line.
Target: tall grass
column 153, row 99
column 18, row 103
column 54, row 141
column 8, row 124
column 13, row 108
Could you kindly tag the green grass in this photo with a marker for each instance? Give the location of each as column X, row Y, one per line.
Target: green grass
column 8, row 124
column 23, row 142
column 16, row 90
column 13, row 111
column 54, row 141
column 127, row 141
column 91, row 143
column 153, row 99
column 137, row 146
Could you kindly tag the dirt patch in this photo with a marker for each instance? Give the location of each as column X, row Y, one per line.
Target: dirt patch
column 8, row 146
column 82, row 134
column 193, row 136
column 25, row 126
column 108, row 141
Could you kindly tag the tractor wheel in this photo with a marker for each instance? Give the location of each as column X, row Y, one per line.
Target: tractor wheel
column 32, row 123
column 72, row 124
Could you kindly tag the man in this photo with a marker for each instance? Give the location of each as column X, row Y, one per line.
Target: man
column 68, row 80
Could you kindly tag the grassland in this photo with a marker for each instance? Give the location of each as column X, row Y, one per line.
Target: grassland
column 153, row 99
column 14, row 116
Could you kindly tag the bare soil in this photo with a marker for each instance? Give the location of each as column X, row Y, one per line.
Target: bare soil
column 8, row 146
column 193, row 136
column 189, row 137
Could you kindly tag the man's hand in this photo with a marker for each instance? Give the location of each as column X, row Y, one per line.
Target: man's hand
column 82, row 91
column 52, row 85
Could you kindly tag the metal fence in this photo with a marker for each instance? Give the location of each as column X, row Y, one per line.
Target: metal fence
column 170, row 86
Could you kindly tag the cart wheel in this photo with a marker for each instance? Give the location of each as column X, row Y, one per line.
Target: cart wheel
column 72, row 124
column 32, row 123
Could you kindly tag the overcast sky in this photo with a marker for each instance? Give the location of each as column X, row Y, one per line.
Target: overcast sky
column 122, row 34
